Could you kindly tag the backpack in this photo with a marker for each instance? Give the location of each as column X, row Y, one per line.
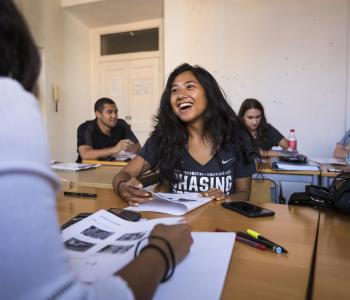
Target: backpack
column 337, row 196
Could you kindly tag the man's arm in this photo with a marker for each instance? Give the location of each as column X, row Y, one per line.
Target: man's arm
column 341, row 151
column 87, row 152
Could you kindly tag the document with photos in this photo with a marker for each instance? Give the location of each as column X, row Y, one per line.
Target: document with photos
column 172, row 203
column 101, row 244
column 72, row 166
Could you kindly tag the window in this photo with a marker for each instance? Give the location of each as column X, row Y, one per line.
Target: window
column 131, row 41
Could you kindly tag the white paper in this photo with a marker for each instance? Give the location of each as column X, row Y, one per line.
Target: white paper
column 171, row 203
column 295, row 167
column 329, row 161
column 202, row 273
column 103, row 243
column 124, row 155
column 73, row 166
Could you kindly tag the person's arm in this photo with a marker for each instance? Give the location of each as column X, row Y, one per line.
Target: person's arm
column 242, row 189
column 127, row 186
column 88, row 152
column 283, row 144
column 145, row 272
column 135, row 148
column 340, row 151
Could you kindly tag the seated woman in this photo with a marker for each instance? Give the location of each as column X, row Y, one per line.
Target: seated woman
column 196, row 144
column 264, row 135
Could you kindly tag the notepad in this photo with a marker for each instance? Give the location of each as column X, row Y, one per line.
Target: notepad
column 73, row 166
column 294, row 167
column 171, row 203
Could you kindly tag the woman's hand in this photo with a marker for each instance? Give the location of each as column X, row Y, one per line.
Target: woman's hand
column 214, row 194
column 131, row 191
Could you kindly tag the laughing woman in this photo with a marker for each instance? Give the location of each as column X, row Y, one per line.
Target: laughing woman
column 196, row 144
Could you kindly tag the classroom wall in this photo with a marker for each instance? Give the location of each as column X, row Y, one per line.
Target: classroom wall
column 292, row 55
column 65, row 44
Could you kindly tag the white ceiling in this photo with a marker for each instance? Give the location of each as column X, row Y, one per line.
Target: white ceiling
column 100, row 13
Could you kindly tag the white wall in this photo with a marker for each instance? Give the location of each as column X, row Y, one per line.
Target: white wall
column 76, row 85
column 292, row 55
column 65, row 44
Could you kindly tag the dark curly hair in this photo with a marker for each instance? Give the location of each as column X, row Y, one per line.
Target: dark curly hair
column 221, row 124
column 20, row 58
column 251, row 103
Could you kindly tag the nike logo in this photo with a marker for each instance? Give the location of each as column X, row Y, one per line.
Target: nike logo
column 224, row 162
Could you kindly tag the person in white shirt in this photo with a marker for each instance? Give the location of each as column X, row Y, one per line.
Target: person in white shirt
column 342, row 148
column 33, row 260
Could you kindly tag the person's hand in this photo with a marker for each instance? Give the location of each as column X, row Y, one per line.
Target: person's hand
column 179, row 237
column 131, row 191
column 123, row 145
column 214, row 194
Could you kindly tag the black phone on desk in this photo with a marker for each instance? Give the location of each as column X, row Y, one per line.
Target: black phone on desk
column 248, row 209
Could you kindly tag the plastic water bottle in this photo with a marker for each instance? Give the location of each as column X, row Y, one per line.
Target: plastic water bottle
column 347, row 158
column 292, row 141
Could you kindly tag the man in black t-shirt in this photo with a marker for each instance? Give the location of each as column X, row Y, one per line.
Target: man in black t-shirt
column 106, row 135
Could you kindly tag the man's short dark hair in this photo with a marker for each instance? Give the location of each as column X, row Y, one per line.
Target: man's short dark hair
column 101, row 102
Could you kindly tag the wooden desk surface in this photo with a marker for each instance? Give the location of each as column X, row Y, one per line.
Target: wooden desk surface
column 332, row 270
column 325, row 172
column 106, row 162
column 100, row 177
column 252, row 273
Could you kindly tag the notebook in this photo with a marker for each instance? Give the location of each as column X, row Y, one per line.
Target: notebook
column 171, row 203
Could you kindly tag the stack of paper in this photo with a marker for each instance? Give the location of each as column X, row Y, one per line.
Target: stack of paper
column 294, row 167
column 73, row 166
column 171, row 203
column 124, row 156
column 101, row 244
column 329, row 161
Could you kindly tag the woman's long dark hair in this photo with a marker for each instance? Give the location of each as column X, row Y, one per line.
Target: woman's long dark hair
column 221, row 124
column 19, row 57
column 250, row 103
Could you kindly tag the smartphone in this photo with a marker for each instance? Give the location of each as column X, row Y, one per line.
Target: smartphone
column 248, row 209
column 334, row 170
column 125, row 214
column 75, row 219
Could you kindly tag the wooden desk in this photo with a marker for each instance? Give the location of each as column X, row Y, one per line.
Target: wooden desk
column 327, row 177
column 100, row 177
column 106, row 162
column 332, row 269
column 265, row 168
column 252, row 273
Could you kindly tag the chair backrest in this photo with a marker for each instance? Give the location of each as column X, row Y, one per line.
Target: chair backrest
column 261, row 190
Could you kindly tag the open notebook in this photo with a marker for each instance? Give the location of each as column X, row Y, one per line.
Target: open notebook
column 170, row 203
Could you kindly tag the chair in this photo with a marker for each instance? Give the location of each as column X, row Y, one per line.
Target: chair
column 262, row 190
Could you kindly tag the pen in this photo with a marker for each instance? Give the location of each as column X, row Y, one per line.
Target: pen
column 250, row 243
column 258, row 236
column 244, row 240
column 79, row 194
column 275, row 248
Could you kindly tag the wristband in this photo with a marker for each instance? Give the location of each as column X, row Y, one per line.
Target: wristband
column 121, row 181
column 161, row 251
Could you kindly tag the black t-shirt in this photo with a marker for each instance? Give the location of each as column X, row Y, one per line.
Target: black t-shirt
column 220, row 172
column 272, row 137
column 90, row 134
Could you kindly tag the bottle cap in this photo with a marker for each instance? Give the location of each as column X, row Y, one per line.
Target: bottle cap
column 292, row 130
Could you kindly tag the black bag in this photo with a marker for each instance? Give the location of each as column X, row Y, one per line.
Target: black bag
column 337, row 196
